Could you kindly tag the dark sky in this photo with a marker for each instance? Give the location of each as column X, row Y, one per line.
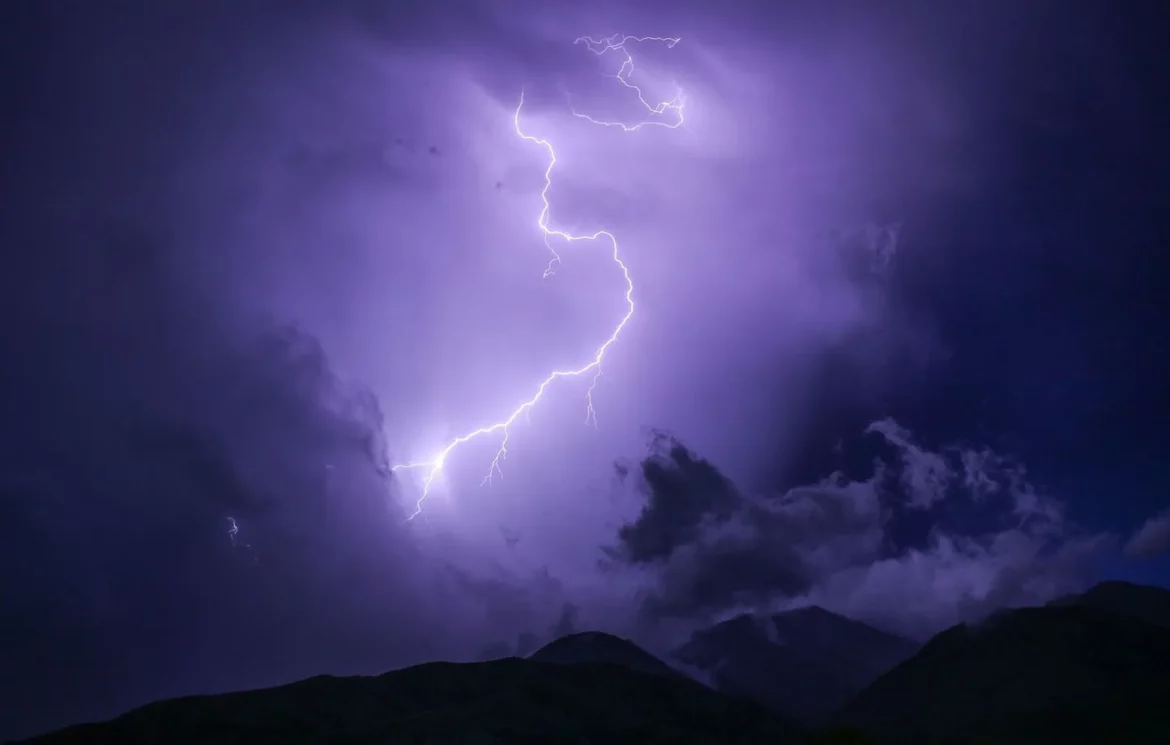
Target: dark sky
column 897, row 345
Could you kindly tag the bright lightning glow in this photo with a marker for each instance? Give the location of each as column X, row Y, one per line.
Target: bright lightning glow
column 666, row 114
column 672, row 110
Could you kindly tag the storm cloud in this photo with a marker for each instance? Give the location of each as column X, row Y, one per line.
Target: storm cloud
column 194, row 494
column 858, row 546
column 1152, row 538
column 255, row 256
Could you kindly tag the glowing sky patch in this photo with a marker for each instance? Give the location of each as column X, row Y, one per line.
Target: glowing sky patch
column 665, row 114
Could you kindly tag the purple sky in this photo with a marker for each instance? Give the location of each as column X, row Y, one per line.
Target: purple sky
column 275, row 253
column 422, row 274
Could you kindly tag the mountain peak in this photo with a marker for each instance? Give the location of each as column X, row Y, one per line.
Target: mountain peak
column 599, row 647
column 1149, row 603
column 804, row 661
column 812, row 611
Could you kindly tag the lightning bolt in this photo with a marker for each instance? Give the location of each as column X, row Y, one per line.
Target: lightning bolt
column 666, row 114
column 233, row 531
column 669, row 113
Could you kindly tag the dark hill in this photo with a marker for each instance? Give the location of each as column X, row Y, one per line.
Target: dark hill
column 1140, row 601
column 597, row 647
column 803, row 663
column 512, row 702
column 1061, row 674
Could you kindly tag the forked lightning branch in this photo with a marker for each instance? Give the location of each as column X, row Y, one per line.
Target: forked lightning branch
column 668, row 114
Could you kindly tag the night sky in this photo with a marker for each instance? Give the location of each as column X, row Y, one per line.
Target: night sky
column 897, row 346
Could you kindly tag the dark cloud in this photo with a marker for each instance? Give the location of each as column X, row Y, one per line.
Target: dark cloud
column 682, row 493
column 231, row 496
column 1152, row 538
column 712, row 549
column 193, row 498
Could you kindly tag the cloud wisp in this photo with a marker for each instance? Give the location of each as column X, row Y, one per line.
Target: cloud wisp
column 1152, row 539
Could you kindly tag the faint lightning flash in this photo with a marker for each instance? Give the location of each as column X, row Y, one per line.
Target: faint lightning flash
column 672, row 109
column 233, row 531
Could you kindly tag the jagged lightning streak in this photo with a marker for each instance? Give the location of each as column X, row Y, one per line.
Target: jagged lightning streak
column 672, row 109
column 667, row 114
column 233, row 531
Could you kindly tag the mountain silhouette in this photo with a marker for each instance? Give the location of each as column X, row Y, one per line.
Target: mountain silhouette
column 504, row 702
column 600, row 648
column 1068, row 673
column 803, row 663
column 1086, row 669
column 1140, row 601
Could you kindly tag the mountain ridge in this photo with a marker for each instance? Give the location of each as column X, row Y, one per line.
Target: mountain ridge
column 1066, row 673
column 600, row 648
column 803, row 663
column 1081, row 670
column 500, row 702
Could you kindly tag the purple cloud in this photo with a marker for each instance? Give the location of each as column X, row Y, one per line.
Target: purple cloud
column 926, row 475
column 1152, row 538
column 343, row 198
column 710, row 549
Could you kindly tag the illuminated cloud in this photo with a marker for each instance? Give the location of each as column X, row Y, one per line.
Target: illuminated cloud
column 249, row 295
column 712, row 550
column 667, row 114
column 1152, row 538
